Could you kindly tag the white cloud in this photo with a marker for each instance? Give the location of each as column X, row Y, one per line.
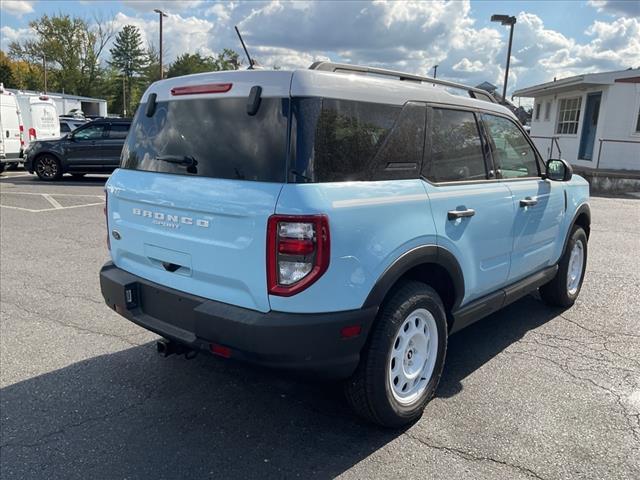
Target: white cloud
column 164, row 5
column 181, row 34
column 16, row 7
column 9, row 35
column 627, row 8
column 466, row 65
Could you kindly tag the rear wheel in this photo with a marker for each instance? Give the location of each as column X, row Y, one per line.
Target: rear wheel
column 402, row 363
column 565, row 287
column 2, row 166
column 48, row 168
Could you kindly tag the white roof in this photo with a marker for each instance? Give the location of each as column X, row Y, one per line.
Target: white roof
column 570, row 83
column 317, row 83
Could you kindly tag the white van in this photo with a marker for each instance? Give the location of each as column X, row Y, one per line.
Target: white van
column 11, row 141
column 39, row 116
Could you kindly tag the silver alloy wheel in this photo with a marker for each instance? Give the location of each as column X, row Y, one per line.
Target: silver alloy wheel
column 47, row 167
column 576, row 264
column 413, row 356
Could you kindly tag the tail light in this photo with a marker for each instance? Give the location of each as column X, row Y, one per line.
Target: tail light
column 106, row 217
column 297, row 252
column 32, row 134
column 22, row 135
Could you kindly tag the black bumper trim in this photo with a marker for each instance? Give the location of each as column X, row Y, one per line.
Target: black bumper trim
column 294, row 341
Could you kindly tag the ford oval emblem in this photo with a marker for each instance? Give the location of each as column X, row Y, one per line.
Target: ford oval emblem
column 116, row 234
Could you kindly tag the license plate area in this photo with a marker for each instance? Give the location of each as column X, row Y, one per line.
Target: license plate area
column 168, row 307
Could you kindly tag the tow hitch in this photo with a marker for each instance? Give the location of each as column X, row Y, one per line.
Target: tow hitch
column 167, row 347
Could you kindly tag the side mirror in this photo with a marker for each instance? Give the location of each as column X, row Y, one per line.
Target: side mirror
column 558, row 170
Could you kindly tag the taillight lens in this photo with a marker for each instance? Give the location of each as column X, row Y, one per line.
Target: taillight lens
column 22, row 135
column 32, row 134
column 297, row 252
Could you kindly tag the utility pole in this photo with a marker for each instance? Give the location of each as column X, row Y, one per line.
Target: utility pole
column 161, row 14
column 511, row 21
column 124, row 97
column 44, row 67
column 435, row 71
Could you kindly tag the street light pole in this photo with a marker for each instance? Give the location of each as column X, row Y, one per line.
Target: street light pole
column 511, row 21
column 161, row 14
column 435, row 71
column 44, row 67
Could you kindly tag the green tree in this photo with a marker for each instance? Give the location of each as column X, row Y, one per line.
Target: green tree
column 6, row 71
column 129, row 57
column 71, row 48
column 189, row 63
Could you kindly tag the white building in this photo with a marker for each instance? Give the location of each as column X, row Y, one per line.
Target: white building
column 65, row 103
column 591, row 120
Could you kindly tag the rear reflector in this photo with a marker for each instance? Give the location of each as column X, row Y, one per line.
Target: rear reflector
column 350, row 331
column 198, row 89
column 220, row 350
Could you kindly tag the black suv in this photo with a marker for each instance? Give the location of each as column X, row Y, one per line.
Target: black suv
column 92, row 148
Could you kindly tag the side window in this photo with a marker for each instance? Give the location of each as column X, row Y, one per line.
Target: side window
column 456, row 148
column 537, row 111
column 118, row 131
column 64, row 128
column 348, row 136
column 512, row 153
column 92, row 132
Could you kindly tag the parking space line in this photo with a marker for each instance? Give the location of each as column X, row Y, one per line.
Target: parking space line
column 52, row 201
column 51, row 209
column 56, row 194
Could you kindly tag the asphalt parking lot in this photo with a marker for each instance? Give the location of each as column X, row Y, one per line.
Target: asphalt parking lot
column 530, row 392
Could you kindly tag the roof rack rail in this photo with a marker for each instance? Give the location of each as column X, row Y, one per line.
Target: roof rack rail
column 345, row 67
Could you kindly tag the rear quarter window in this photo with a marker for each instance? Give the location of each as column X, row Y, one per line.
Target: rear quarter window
column 216, row 138
column 345, row 140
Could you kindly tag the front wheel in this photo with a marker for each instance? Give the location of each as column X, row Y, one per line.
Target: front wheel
column 565, row 287
column 48, row 168
column 403, row 360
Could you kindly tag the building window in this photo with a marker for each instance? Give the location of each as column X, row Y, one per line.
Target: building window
column 547, row 110
column 638, row 122
column 568, row 115
column 537, row 111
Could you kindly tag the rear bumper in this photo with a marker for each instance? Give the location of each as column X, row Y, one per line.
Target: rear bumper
column 293, row 341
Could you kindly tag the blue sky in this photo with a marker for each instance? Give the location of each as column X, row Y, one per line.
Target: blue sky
column 551, row 39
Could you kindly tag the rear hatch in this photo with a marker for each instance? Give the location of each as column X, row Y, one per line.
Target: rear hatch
column 200, row 177
column 44, row 117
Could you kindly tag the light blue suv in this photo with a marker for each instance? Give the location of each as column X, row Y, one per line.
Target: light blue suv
column 339, row 220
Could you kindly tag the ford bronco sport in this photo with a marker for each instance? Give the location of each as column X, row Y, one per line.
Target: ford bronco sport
column 337, row 222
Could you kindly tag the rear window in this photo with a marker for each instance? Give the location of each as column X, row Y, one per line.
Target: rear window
column 211, row 138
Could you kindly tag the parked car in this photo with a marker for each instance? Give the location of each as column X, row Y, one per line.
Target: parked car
column 11, row 140
column 335, row 224
column 39, row 116
column 94, row 147
column 68, row 125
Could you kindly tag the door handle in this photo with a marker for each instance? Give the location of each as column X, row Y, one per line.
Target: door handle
column 455, row 214
column 528, row 202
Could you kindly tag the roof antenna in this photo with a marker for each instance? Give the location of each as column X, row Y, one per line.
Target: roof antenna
column 251, row 64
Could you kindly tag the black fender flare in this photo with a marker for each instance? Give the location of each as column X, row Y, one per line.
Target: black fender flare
column 417, row 256
column 584, row 208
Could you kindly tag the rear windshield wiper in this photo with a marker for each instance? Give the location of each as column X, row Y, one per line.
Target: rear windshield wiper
column 186, row 160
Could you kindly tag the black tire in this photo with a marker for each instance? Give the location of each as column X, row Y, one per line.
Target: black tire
column 369, row 390
column 47, row 167
column 2, row 166
column 557, row 292
column 12, row 166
